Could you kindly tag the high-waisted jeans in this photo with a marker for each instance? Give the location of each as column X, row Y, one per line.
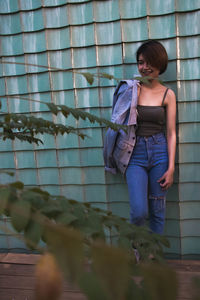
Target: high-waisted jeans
column 148, row 163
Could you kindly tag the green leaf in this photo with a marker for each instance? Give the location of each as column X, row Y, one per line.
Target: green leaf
column 125, row 229
column 89, row 77
column 7, row 172
column 160, row 282
column 196, row 288
column 7, row 118
column 51, row 209
column 93, row 224
column 124, row 242
column 109, row 222
column 145, row 79
column 35, row 199
column 18, row 185
column 66, row 218
column 33, row 233
column 91, row 286
column 20, row 214
column 112, row 267
column 44, row 194
column 87, row 204
column 67, row 246
column 13, row 195
column 53, row 108
column 4, row 197
column 163, row 240
column 108, row 76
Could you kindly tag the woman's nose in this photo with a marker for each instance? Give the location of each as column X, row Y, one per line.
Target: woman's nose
column 146, row 65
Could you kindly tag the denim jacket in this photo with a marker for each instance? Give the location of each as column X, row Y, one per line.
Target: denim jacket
column 118, row 145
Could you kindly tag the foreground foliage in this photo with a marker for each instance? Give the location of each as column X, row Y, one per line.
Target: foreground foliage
column 27, row 127
column 31, row 209
column 76, row 235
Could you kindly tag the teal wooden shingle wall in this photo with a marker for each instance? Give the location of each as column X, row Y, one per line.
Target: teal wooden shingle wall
column 98, row 36
column 188, row 75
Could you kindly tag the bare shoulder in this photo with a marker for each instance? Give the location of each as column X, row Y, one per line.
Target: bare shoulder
column 170, row 97
column 171, row 93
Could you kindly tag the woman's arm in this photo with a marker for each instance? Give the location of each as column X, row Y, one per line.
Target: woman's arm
column 167, row 179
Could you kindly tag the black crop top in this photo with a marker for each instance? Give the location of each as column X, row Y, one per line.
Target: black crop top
column 151, row 119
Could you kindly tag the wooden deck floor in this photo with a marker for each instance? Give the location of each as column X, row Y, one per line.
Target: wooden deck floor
column 17, row 278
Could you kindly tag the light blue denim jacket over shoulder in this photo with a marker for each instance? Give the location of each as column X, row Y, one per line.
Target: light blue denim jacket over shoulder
column 118, row 145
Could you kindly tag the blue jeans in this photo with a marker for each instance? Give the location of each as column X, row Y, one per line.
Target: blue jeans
column 149, row 161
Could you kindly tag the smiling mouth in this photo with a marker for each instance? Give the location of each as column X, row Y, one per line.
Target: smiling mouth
column 147, row 73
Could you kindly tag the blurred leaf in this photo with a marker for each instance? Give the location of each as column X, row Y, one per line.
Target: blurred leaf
column 33, row 232
column 135, row 290
column 13, row 194
column 67, row 246
column 91, row 287
column 110, row 221
column 124, row 228
column 35, row 199
column 7, row 172
column 49, row 281
column 93, row 224
column 145, row 79
column 43, row 193
column 51, row 209
column 7, row 118
column 196, row 288
column 87, row 204
column 66, row 218
column 20, row 214
column 108, row 76
column 4, row 197
column 112, row 268
column 89, row 77
column 17, row 185
column 124, row 242
column 164, row 241
column 160, row 282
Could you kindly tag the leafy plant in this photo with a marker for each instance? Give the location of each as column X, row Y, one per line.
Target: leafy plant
column 32, row 207
column 26, row 127
column 75, row 233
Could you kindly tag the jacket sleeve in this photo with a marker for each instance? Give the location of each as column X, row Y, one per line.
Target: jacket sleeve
column 109, row 144
column 111, row 135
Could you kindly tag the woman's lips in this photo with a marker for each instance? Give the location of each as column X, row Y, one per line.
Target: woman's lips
column 147, row 73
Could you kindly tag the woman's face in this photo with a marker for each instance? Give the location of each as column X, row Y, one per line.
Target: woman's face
column 145, row 69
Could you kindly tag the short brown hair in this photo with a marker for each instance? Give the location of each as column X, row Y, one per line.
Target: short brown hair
column 155, row 54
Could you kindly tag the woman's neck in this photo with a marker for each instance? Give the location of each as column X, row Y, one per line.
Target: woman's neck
column 152, row 84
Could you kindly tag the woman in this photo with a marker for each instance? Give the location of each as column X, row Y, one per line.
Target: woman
column 146, row 152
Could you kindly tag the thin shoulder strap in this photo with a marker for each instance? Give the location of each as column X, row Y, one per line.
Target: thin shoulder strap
column 165, row 94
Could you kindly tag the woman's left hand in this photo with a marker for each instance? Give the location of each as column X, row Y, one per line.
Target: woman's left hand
column 166, row 180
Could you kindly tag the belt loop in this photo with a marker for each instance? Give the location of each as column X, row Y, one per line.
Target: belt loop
column 154, row 139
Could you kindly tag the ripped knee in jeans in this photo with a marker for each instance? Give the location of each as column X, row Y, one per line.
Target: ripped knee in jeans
column 157, row 203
